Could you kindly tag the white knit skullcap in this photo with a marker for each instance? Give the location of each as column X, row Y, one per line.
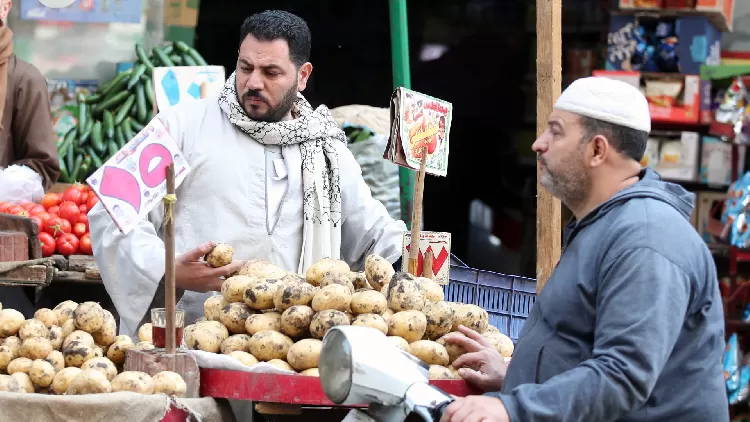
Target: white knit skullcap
column 608, row 100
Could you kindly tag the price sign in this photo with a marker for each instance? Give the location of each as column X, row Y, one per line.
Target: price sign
column 174, row 85
column 133, row 181
column 439, row 244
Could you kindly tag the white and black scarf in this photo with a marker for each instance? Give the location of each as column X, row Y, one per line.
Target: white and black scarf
column 315, row 133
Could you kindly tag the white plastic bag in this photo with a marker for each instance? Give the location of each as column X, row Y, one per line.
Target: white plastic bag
column 20, row 183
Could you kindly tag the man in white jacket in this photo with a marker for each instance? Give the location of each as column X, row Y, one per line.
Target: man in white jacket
column 271, row 176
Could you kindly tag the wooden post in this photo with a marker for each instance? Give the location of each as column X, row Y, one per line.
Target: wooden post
column 548, row 79
column 416, row 219
column 169, row 279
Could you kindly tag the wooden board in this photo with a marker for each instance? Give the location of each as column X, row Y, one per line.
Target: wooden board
column 548, row 79
column 34, row 276
column 12, row 223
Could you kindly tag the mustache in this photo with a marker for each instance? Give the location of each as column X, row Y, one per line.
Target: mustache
column 255, row 94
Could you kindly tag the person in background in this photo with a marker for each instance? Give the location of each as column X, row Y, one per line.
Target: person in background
column 630, row 325
column 270, row 176
column 26, row 134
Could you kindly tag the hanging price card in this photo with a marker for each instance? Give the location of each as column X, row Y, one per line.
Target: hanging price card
column 133, row 181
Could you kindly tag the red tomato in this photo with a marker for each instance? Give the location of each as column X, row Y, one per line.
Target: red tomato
column 4, row 206
column 85, row 220
column 56, row 226
column 93, row 200
column 67, row 244
column 44, row 216
column 84, row 209
column 14, row 209
column 69, row 211
column 27, row 205
column 51, row 200
column 84, row 196
column 84, row 246
column 72, row 194
column 48, row 244
column 36, row 209
column 79, row 229
column 38, row 222
column 65, row 225
column 53, row 209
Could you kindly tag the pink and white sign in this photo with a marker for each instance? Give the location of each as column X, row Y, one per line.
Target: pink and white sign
column 439, row 243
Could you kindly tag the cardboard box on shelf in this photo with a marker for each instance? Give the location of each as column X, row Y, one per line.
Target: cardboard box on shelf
column 181, row 13
column 685, row 107
column 678, row 156
column 720, row 12
column 708, row 206
column 716, row 161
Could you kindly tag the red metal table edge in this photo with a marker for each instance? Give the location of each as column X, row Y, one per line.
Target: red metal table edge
column 288, row 389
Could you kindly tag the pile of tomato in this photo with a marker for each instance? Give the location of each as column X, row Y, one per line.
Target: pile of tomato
column 62, row 219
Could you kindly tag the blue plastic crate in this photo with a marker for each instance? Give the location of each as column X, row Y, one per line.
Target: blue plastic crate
column 506, row 298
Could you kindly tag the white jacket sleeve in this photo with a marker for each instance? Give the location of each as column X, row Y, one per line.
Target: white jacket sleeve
column 367, row 227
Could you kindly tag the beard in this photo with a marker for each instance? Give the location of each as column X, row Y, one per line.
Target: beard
column 567, row 180
column 272, row 114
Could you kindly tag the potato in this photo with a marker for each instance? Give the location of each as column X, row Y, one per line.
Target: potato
column 291, row 294
column 103, row 365
column 260, row 322
column 439, row 372
column 10, row 322
column 124, row 338
column 14, row 343
column 368, row 302
column 440, row 318
column 169, row 383
column 118, row 351
column 62, row 379
column 502, row 343
column 64, row 311
column 378, row 271
column 316, row 271
column 334, row 296
column 235, row 342
column 295, row 321
column 384, row 291
column 304, row 354
column 280, row 364
column 399, row 342
column 429, row 352
column 470, row 316
column 145, row 345
column 19, row 365
column 68, row 328
column 36, row 348
column 292, row 278
column 46, row 316
column 372, row 320
column 10, row 384
column 233, row 288
column 454, row 350
column 244, row 357
column 133, row 381
column 387, row 315
column 206, row 336
column 56, row 359
column 106, row 334
column 78, row 352
column 234, row 315
column 55, row 335
column 336, row 277
column 89, row 381
column 220, row 255
column 6, row 356
column 24, row 381
column 359, row 280
column 409, row 325
column 312, row 372
column 41, row 373
column 260, row 295
column 325, row 320
column 89, row 316
column 80, row 336
column 212, row 307
column 266, row 345
column 404, row 293
column 261, row 269
column 431, row 291
column 99, row 352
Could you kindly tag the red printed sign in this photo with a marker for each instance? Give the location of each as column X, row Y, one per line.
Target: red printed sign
column 439, row 243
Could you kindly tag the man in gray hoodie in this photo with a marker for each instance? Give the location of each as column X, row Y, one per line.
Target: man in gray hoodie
column 629, row 327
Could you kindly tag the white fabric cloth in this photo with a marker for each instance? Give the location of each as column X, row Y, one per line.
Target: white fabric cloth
column 608, row 100
column 224, row 199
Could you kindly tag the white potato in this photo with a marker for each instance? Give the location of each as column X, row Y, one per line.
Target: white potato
column 378, row 271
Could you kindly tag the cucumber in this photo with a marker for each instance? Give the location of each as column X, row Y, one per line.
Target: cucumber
column 168, row 49
column 124, row 109
column 80, row 97
column 140, row 102
column 96, row 137
column 197, row 57
column 83, row 172
column 82, row 116
column 138, row 71
column 114, row 101
column 176, row 59
column 136, row 126
column 133, row 110
column 86, row 133
column 110, row 86
column 181, row 46
column 109, row 124
column 188, row 60
column 127, row 130
column 93, row 99
column 143, row 58
column 68, row 139
column 120, row 137
column 96, row 161
column 64, row 177
column 148, row 86
column 112, row 148
column 75, row 167
column 163, row 58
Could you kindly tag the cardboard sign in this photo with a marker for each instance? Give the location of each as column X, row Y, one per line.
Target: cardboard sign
column 173, row 85
column 133, row 181
column 439, row 243
column 418, row 120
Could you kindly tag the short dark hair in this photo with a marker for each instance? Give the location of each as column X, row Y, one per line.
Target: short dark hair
column 272, row 25
column 627, row 141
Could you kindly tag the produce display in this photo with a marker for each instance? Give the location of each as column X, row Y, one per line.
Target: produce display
column 62, row 219
column 118, row 110
column 73, row 349
column 266, row 314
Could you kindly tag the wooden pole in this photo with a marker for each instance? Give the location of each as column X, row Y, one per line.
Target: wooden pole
column 169, row 279
column 548, row 79
column 416, row 218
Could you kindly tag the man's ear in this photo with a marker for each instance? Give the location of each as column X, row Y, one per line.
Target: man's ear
column 303, row 74
column 600, row 148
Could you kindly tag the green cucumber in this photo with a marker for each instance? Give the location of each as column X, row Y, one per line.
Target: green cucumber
column 75, row 166
column 188, row 60
column 114, row 83
column 124, row 109
column 197, row 57
column 68, row 139
column 96, row 137
column 64, row 177
column 127, row 130
column 120, row 137
column 176, row 59
column 181, row 46
column 133, row 110
column 93, row 99
column 86, row 132
column 138, row 71
column 148, row 86
column 137, row 127
column 112, row 148
column 114, row 101
column 82, row 116
column 163, row 58
column 83, row 173
column 143, row 58
column 140, row 102
column 95, row 160
column 109, row 124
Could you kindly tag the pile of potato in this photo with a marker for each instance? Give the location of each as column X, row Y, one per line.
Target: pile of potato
column 266, row 314
column 73, row 349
